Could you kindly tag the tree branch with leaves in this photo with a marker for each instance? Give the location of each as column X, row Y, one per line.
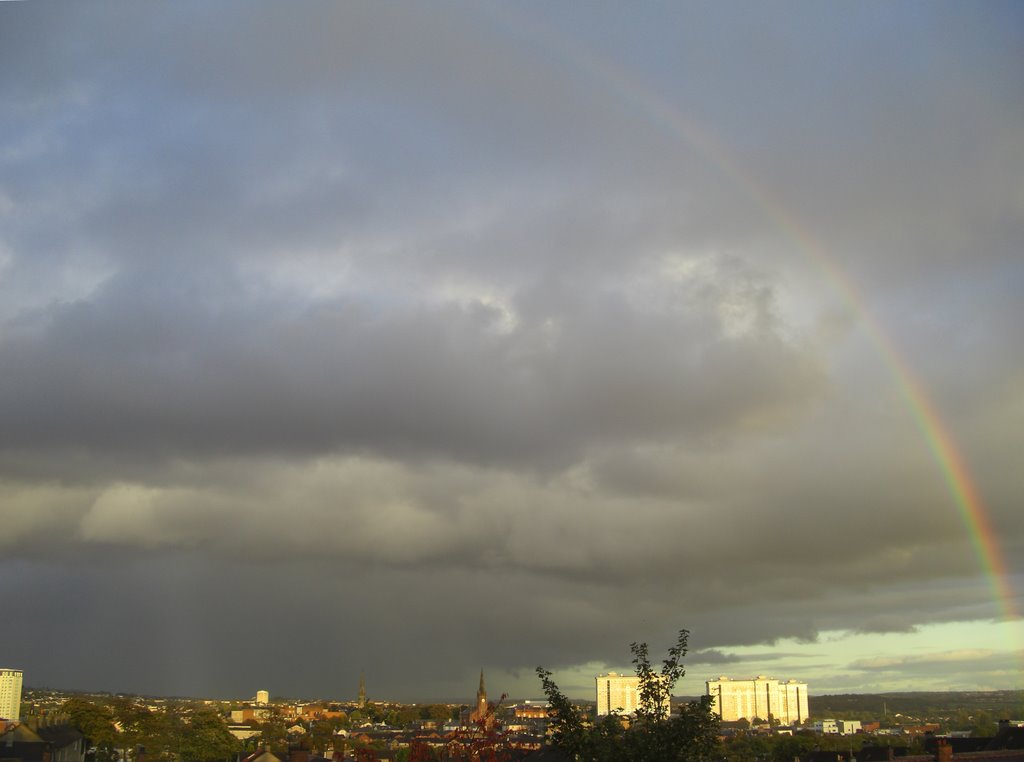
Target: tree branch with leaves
column 690, row 735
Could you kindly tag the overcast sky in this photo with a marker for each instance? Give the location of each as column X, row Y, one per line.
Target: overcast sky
column 410, row 339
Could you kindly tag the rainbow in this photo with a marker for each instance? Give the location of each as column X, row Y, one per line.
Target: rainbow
column 645, row 101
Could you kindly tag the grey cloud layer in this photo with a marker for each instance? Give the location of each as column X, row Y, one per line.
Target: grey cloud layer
column 164, row 360
column 411, row 316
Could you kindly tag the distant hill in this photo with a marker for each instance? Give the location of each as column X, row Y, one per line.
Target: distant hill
column 1001, row 704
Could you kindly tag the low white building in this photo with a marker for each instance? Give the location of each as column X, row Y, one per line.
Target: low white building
column 848, row 727
column 826, row 727
column 243, row 732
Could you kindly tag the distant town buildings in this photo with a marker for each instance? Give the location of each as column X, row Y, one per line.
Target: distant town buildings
column 531, row 710
column 10, row 694
column 258, row 708
column 830, row 727
column 826, row 727
column 249, row 713
column 763, row 697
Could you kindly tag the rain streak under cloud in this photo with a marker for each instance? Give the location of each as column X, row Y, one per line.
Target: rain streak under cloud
column 408, row 340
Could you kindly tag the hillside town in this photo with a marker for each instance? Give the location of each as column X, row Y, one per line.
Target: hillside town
column 45, row 725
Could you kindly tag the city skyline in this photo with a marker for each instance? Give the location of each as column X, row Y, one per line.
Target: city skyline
column 799, row 693
column 413, row 341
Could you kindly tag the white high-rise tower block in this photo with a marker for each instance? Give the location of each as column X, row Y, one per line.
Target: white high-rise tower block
column 617, row 694
column 10, row 694
column 763, row 697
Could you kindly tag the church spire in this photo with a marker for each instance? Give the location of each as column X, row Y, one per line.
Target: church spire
column 483, row 712
column 481, row 697
column 362, row 690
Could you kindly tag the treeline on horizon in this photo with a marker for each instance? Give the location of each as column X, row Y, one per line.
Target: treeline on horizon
column 1004, row 704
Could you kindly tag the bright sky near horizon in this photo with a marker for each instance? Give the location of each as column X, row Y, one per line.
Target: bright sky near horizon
column 410, row 340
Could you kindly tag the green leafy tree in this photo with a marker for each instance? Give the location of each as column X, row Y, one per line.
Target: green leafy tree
column 274, row 733
column 565, row 725
column 159, row 732
column 748, row 748
column 655, row 689
column 437, row 712
column 982, row 724
column 788, row 748
column 403, row 715
column 206, row 737
column 95, row 722
column 606, row 738
column 689, row 736
column 323, row 731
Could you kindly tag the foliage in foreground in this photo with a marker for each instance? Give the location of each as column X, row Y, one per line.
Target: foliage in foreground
column 690, row 735
column 175, row 733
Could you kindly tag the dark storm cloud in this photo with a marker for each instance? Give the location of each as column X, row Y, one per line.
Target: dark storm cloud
column 171, row 352
column 427, row 333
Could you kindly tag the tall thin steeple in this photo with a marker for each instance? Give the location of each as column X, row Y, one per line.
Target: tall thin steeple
column 481, row 698
column 483, row 714
column 362, row 690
